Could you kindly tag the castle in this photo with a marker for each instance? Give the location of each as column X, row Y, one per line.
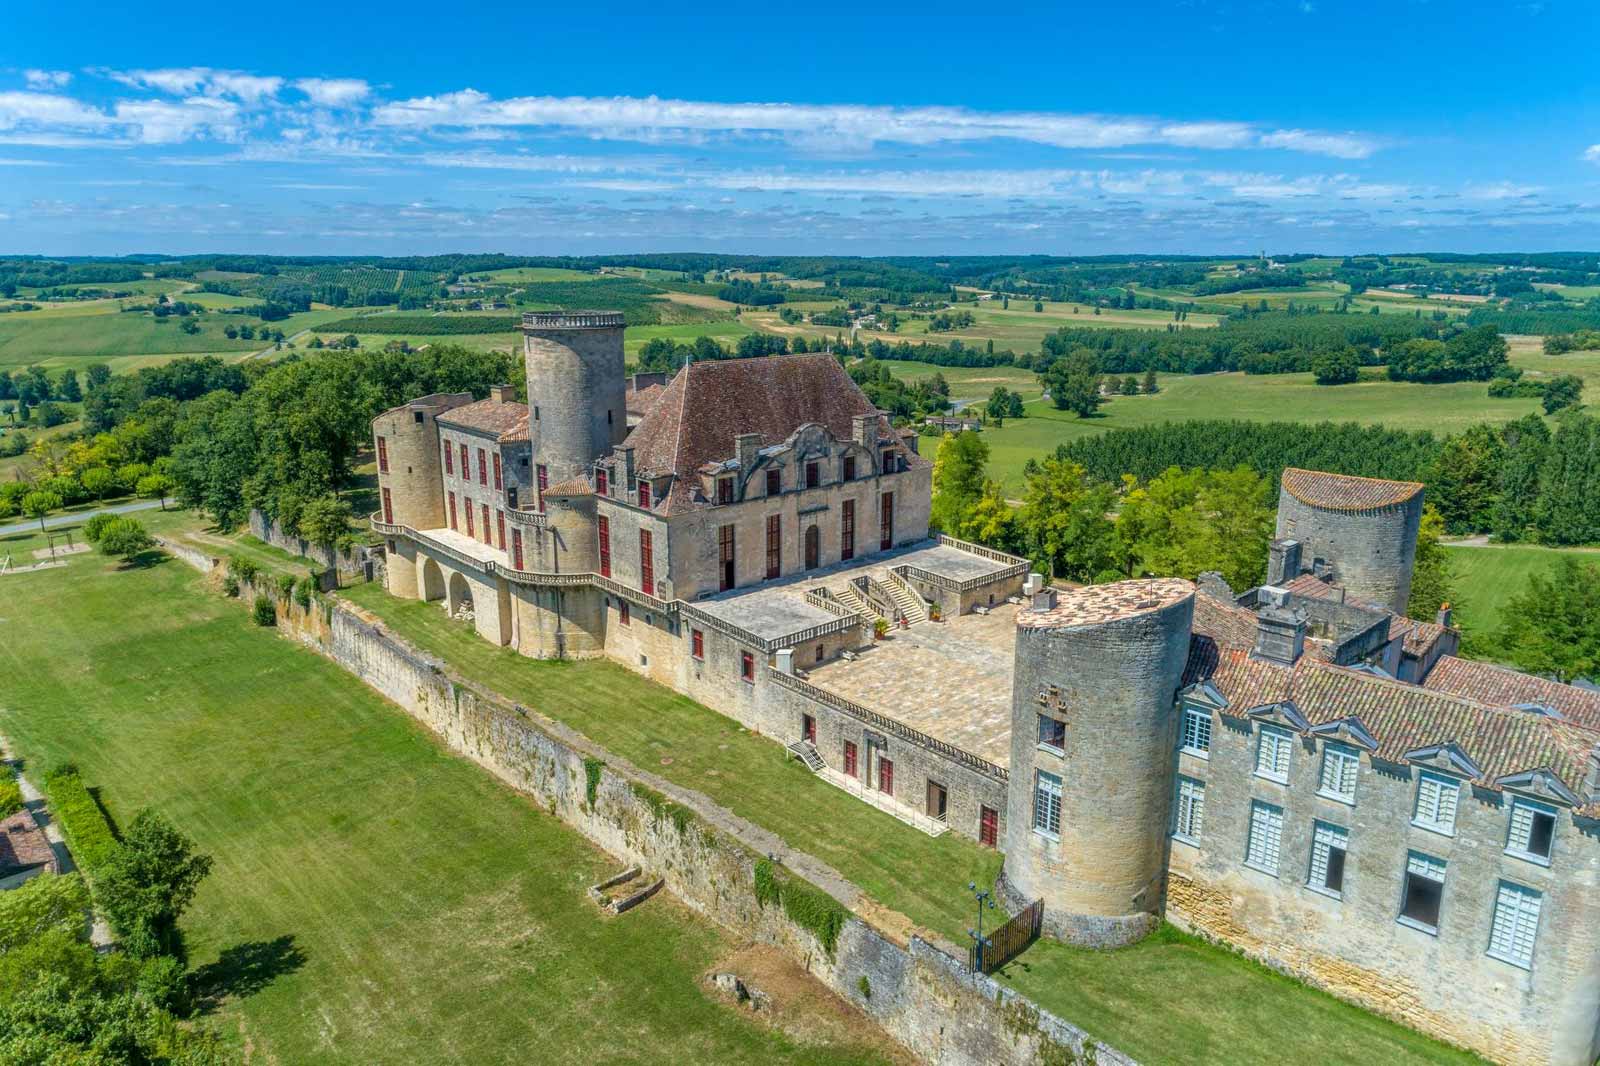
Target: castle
column 1298, row 770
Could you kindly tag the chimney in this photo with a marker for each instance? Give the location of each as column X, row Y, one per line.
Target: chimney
column 1283, row 561
column 1280, row 629
column 1322, row 569
column 786, row 661
column 1032, row 585
column 1043, row 597
column 1443, row 617
column 502, row 393
column 624, row 452
column 745, row 446
column 863, row 430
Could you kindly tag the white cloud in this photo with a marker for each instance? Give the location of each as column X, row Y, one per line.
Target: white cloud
column 187, row 81
column 11, row 162
column 1593, row 153
column 166, row 122
column 22, row 109
column 47, row 79
column 1338, row 145
column 1500, row 190
column 334, row 92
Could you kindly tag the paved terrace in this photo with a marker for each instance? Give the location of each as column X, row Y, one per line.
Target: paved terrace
column 951, row 680
column 471, row 547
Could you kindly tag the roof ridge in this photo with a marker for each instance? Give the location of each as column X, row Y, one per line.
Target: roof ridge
column 1352, row 477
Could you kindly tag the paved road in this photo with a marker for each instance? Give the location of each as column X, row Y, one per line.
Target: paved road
column 77, row 516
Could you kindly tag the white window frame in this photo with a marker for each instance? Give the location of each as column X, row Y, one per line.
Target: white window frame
column 1446, row 786
column 1520, row 850
column 1281, row 744
column 1344, row 762
column 1263, row 846
column 1324, row 836
column 1433, row 869
column 1189, row 810
column 1042, row 789
column 1196, row 722
column 1514, row 924
column 1045, row 745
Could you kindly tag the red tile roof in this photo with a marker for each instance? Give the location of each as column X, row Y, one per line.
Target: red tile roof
column 504, row 419
column 1501, row 687
column 1234, row 626
column 23, row 845
column 640, row 401
column 1342, row 492
column 1418, row 636
column 707, row 404
column 573, row 486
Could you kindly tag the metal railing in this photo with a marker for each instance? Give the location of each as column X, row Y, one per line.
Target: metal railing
column 889, row 725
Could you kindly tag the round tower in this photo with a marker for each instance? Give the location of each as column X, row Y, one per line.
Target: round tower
column 1097, row 670
column 577, row 408
column 1364, row 531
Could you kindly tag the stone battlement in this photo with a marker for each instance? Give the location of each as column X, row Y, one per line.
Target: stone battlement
column 572, row 320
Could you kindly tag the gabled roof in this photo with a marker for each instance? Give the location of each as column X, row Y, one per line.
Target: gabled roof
column 505, row 420
column 1500, row 687
column 1418, row 637
column 573, row 486
column 639, row 401
column 698, row 414
column 1342, row 492
column 23, row 845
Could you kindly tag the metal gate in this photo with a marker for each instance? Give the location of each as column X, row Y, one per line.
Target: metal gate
column 1008, row 941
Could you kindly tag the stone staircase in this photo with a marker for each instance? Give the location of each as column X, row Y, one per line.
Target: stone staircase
column 906, row 598
column 806, row 752
column 847, row 595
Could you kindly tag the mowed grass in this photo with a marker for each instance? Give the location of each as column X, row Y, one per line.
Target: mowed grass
column 68, row 340
column 374, row 899
column 1173, row 999
column 1486, row 578
column 690, row 744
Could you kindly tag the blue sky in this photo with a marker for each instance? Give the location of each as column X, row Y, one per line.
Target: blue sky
column 1194, row 127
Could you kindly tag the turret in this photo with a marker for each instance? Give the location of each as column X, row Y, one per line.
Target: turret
column 577, row 408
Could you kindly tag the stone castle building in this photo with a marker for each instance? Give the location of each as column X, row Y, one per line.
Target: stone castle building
column 1298, row 770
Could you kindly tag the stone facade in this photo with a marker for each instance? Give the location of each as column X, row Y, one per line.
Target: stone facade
column 1370, row 549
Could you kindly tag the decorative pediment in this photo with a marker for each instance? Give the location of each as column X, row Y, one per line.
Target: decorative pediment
column 1283, row 713
column 1350, row 730
column 1541, row 784
column 1204, row 694
column 1448, row 757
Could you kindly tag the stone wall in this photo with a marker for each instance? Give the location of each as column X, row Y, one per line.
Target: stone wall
column 916, row 990
column 346, row 562
column 1372, row 552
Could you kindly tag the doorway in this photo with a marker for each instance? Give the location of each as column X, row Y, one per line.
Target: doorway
column 937, row 801
column 808, row 728
column 813, row 547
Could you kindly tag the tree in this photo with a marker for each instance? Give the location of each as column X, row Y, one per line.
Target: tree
column 67, row 387
column 98, row 480
column 999, row 403
column 958, row 481
column 1562, row 391
column 1074, row 382
column 325, row 520
column 126, row 539
column 1038, row 306
column 39, row 503
column 1432, row 583
column 149, row 883
column 1064, row 524
column 1525, row 444
column 1465, row 482
column 155, row 487
column 97, row 375
column 1552, row 628
column 1185, row 522
column 1150, row 385
column 1130, row 386
column 990, row 520
column 1337, row 368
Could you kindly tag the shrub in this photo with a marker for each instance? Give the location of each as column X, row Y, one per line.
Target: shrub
column 286, row 585
column 230, row 585
column 264, row 613
column 163, row 982
column 243, row 569
column 303, row 590
column 864, row 986
column 591, row 774
column 84, row 824
column 10, row 797
column 125, row 538
column 96, row 526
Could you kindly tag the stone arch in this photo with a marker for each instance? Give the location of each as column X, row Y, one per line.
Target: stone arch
column 431, row 587
column 459, row 594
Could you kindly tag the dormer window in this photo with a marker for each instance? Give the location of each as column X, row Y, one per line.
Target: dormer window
column 774, row 482
column 849, row 468
column 888, row 460
column 644, row 494
column 813, row 474
column 724, row 490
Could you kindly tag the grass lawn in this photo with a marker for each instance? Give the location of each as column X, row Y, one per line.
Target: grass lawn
column 1159, row 1001
column 657, row 729
column 1487, row 577
column 77, row 340
column 374, row 898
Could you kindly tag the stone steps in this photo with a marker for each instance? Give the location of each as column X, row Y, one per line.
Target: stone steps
column 806, row 752
column 906, row 598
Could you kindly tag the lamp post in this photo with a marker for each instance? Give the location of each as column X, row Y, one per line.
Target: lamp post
column 979, row 941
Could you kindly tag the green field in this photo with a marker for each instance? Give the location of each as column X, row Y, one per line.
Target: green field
column 1487, row 577
column 516, row 274
column 374, row 899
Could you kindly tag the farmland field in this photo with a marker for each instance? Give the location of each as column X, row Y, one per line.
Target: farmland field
column 1487, row 577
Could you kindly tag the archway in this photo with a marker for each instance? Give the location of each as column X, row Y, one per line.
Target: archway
column 813, row 547
column 432, row 584
column 460, row 601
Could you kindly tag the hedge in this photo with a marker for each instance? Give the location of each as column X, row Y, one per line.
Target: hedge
column 83, row 823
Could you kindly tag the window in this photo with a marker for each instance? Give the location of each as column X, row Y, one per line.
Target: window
column 774, row 545
column 888, row 460
column 697, row 644
column 452, row 497
column 725, row 558
column 849, row 468
column 1196, row 730
column 885, row 776
column 886, row 521
column 820, row 652
column 1266, row 837
column 497, row 483
column 500, row 526
column 1515, row 925
column 813, row 475
column 383, row 456
column 1339, row 767
column 774, row 482
column 647, row 569
column 1191, row 813
column 644, row 494
column 516, row 548
column 466, row 505
column 747, row 667
column 466, row 465
column 602, row 487
column 1436, row 803
column 488, row 534
column 1424, row 890
column 388, row 511
column 1052, row 732
column 603, row 528
column 847, row 530
column 850, row 768
column 724, row 490
column 1533, row 825
column 1272, row 754
column 541, row 475
column 624, row 615
column 416, row 416
column 483, row 468
column 988, row 826
column 449, row 463
column 1328, row 846
column 1047, row 804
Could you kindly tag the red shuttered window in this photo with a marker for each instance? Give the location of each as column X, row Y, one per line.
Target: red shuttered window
column 603, row 525
column 383, row 456
column 847, row 530
column 452, row 510
column 497, row 473
column 449, row 463
column 644, row 494
column 647, row 567
column 774, row 545
column 516, row 548
column 483, row 468
column 698, row 643
column 500, row 527
column 388, row 511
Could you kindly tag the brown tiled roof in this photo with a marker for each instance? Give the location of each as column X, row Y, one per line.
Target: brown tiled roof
column 520, row 430
column 1500, row 687
column 1342, row 492
column 706, row 405
column 23, row 845
column 1095, row 604
column 1229, row 624
column 640, row 401
column 1418, row 636
column 490, row 416
column 1400, row 717
column 573, row 486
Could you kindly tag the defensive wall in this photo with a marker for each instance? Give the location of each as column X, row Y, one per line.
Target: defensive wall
column 919, row 991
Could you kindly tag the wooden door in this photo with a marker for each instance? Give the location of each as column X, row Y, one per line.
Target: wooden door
column 813, row 547
column 808, row 728
column 936, row 801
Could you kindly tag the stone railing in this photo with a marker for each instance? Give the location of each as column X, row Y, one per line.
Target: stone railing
column 982, row 552
column 824, row 599
column 535, row 519
column 889, row 725
column 388, row 529
column 573, row 320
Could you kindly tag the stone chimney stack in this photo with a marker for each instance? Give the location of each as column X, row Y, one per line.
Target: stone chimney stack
column 745, row 446
column 863, row 430
column 1443, row 617
column 502, row 393
column 1283, row 561
column 624, row 452
column 1280, row 629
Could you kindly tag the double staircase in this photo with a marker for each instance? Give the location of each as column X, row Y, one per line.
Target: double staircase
column 848, row 596
column 911, row 604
